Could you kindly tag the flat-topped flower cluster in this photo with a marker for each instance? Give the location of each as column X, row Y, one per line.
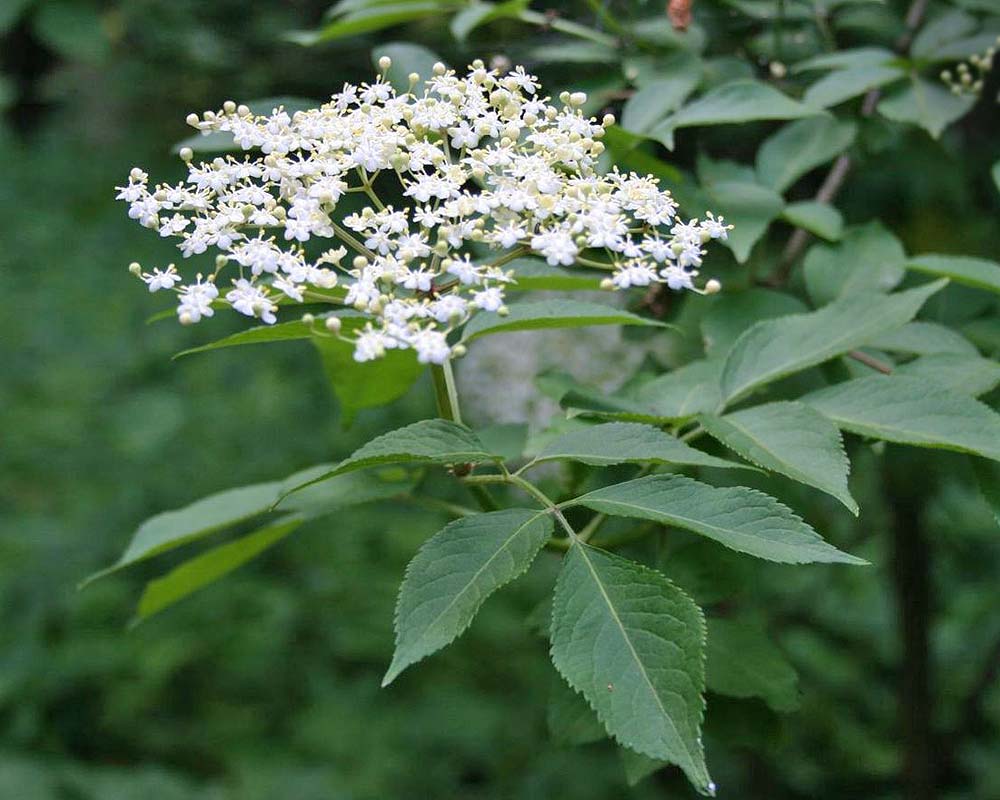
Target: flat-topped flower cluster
column 484, row 170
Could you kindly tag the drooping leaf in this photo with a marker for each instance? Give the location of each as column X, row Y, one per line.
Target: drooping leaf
column 261, row 334
column 964, row 374
column 735, row 102
column 632, row 644
column 980, row 273
column 430, row 441
column 775, row 348
column 843, row 84
column 367, row 384
column 455, row 571
column 625, row 442
column 171, row 529
column 349, row 489
column 743, row 662
column 908, row 410
column 821, row 219
column 789, row 438
column 75, row 30
column 867, row 259
column 924, row 339
column 540, row 314
column 926, row 104
column 801, row 146
column 731, row 313
column 740, row 518
column 209, row 566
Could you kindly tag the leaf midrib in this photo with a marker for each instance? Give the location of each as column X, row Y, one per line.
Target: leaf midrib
column 628, row 641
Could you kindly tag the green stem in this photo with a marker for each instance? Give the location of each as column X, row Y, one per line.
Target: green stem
column 445, row 392
column 350, row 240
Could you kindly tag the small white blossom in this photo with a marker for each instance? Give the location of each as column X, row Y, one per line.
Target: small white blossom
column 488, row 169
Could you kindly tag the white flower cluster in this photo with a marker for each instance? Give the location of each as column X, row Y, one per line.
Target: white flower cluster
column 963, row 82
column 483, row 168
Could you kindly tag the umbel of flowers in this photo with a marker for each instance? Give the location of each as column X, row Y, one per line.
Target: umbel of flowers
column 489, row 170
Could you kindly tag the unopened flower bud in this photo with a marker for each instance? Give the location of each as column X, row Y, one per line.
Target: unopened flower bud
column 459, row 350
column 186, row 154
column 384, row 63
column 308, row 319
column 333, row 324
column 192, row 120
column 607, row 284
column 135, row 268
column 713, row 287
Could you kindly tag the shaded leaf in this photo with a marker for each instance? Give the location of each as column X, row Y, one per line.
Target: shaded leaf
column 632, row 644
column 637, row 766
column 740, row 518
column 731, row 313
column 454, row 572
column 658, row 97
column 368, row 20
column 743, row 662
column 534, row 274
column 789, row 438
column 926, row 104
column 843, row 84
column 570, row 720
column 801, row 146
column 964, row 374
column 923, row 338
column 749, row 207
column 867, row 259
column 209, row 566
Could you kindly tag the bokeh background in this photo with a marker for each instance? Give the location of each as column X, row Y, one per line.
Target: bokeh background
column 266, row 684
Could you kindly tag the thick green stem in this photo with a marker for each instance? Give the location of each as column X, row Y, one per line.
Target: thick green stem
column 445, row 392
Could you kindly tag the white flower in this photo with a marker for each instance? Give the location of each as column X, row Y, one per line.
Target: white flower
column 488, row 168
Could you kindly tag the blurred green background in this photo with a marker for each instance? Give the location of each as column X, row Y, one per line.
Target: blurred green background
column 266, row 685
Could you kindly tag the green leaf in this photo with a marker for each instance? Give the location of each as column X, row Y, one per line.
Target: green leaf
column 731, row 313
column 749, row 207
column 11, row 11
column 924, row 339
column 477, row 14
column 685, row 392
column 625, row 442
column 368, row 20
column 534, row 274
column 262, row 334
column 868, row 259
column 776, row 348
column 570, row 720
column 735, row 102
column 926, row 104
column 821, row 219
column 171, row 529
column 940, row 31
column 988, row 477
column 789, row 438
column 366, row 384
column 632, row 644
column 209, row 566
column 801, row 146
column 638, row 767
column 908, row 410
column 657, row 98
column 75, row 30
column 976, row 272
column 350, row 489
column 743, row 662
column 453, row 574
column 840, row 85
column 430, row 441
column 847, row 59
column 965, row 374
column 995, row 172
column 406, row 58
column 536, row 315
column 740, row 518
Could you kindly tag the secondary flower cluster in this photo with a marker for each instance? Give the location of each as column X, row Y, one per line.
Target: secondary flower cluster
column 484, row 169
column 964, row 82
